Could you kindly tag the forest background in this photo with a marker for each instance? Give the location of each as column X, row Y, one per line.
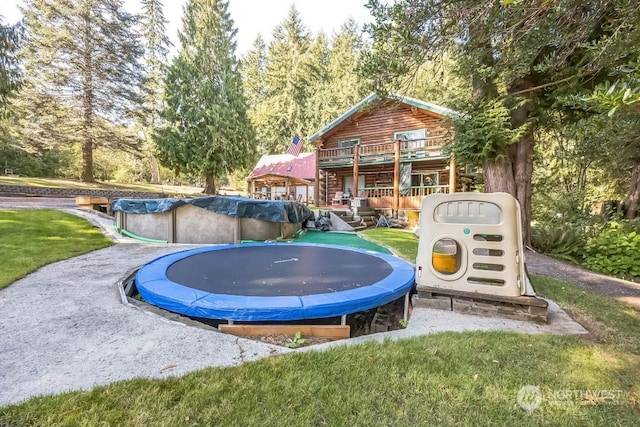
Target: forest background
column 548, row 94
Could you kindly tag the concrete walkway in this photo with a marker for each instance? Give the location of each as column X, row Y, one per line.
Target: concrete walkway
column 64, row 327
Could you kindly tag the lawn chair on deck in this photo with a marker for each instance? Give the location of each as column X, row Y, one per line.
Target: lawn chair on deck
column 337, row 199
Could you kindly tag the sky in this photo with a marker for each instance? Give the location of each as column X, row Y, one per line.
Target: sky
column 251, row 17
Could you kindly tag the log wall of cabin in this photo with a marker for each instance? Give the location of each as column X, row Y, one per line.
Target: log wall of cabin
column 381, row 124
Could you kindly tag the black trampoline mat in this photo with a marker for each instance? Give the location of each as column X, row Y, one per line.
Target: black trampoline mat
column 278, row 270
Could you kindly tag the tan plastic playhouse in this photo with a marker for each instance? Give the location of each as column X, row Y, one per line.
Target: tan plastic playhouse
column 472, row 243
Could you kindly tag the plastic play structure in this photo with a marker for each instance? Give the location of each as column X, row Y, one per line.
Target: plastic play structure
column 471, row 250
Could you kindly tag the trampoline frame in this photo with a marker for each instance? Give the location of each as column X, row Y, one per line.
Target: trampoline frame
column 157, row 289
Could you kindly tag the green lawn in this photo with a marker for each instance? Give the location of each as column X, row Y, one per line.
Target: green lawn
column 30, row 239
column 441, row 379
column 404, row 243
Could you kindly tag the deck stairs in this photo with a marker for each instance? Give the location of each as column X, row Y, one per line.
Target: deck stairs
column 354, row 219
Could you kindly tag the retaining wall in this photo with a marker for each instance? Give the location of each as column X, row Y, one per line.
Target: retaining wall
column 27, row 190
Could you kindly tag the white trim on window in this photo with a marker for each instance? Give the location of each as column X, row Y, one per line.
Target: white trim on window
column 425, row 179
column 348, row 143
column 411, row 135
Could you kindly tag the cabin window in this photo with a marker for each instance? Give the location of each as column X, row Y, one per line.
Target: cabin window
column 348, row 143
column 425, row 179
column 410, row 135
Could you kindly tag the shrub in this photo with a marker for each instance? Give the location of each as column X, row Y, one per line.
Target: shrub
column 615, row 250
column 565, row 241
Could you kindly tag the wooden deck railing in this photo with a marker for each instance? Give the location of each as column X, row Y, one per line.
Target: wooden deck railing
column 372, row 192
column 382, row 152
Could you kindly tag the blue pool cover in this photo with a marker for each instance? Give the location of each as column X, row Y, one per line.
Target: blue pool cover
column 273, row 281
column 240, row 207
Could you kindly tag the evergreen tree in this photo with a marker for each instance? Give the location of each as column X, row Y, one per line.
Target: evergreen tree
column 253, row 68
column 319, row 105
column 303, row 82
column 289, row 81
column 10, row 38
column 620, row 101
column 81, row 56
column 518, row 57
column 345, row 86
column 157, row 46
column 207, row 130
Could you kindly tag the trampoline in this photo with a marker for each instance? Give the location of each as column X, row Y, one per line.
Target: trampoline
column 273, row 281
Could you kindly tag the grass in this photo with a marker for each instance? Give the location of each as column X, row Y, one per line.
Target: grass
column 441, row 379
column 609, row 321
column 30, row 239
column 403, row 243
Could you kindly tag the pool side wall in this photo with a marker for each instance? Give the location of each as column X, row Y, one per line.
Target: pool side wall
column 191, row 224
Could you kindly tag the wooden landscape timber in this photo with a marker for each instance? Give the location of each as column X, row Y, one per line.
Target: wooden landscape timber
column 331, row 332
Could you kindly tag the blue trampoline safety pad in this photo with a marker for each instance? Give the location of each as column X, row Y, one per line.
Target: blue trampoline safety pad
column 273, row 281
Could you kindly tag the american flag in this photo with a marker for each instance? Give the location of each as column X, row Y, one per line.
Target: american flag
column 296, row 146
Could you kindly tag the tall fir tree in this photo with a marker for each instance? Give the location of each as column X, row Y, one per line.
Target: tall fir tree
column 157, row 47
column 10, row 76
column 10, row 38
column 81, row 56
column 207, row 131
column 518, row 57
column 319, row 105
column 302, row 82
column 253, row 67
column 341, row 86
column 289, row 79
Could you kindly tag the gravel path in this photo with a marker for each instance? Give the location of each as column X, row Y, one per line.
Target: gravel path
column 65, row 327
column 619, row 289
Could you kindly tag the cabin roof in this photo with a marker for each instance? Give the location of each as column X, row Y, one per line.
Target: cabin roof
column 423, row 105
column 288, row 165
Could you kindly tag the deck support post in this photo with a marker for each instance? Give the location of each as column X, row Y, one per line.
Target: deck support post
column 316, row 184
column 452, row 175
column 396, row 179
column 356, row 155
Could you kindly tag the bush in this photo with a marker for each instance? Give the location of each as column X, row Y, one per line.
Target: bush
column 564, row 241
column 615, row 250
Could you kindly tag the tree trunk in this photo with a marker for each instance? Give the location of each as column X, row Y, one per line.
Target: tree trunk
column 632, row 204
column 498, row 174
column 87, row 106
column 523, row 162
column 209, row 184
column 155, row 171
column 511, row 171
column 523, row 168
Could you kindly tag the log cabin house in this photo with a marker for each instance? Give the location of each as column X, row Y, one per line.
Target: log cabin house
column 391, row 148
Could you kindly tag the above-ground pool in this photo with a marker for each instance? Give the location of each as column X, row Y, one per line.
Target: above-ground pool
column 273, row 281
